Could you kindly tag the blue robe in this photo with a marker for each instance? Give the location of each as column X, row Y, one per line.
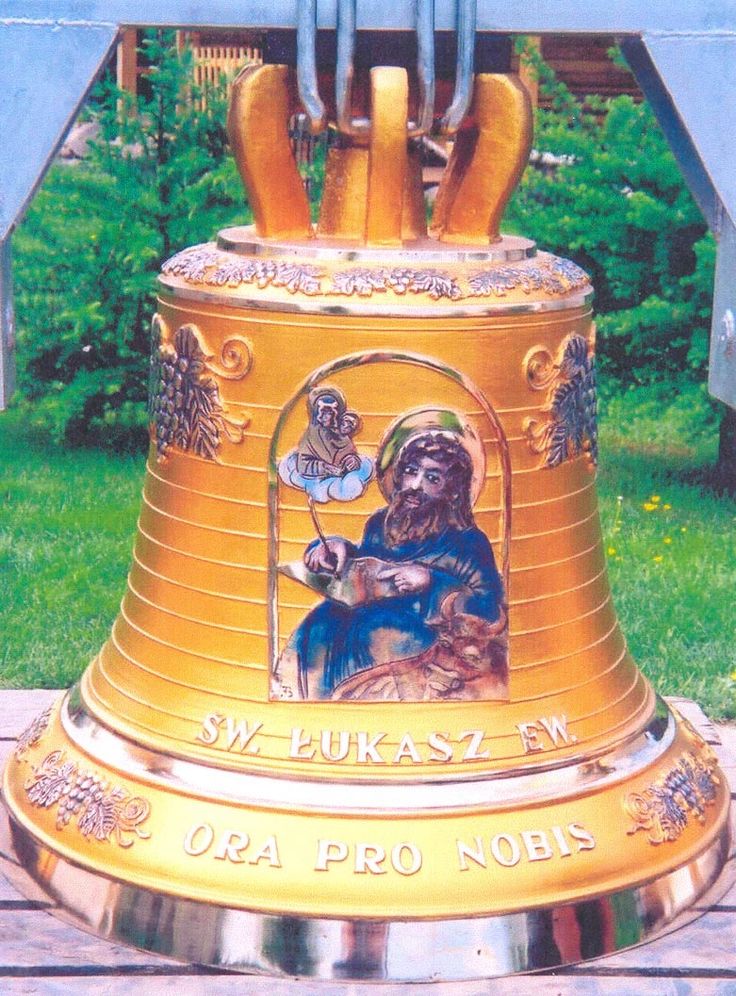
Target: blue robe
column 335, row 641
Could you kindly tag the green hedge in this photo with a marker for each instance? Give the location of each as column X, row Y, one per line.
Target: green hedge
column 157, row 178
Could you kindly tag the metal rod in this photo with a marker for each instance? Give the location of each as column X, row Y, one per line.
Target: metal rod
column 7, row 326
column 466, row 21
column 425, row 68
column 344, row 71
column 306, row 65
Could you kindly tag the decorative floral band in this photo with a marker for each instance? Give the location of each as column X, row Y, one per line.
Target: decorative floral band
column 206, row 264
column 664, row 808
column 103, row 811
column 33, row 733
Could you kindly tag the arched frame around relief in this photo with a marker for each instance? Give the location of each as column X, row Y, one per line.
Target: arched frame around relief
column 357, row 360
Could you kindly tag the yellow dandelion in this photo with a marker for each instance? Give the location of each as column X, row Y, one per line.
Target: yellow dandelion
column 655, row 498
column 667, row 539
column 733, row 676
column 649, row 507
column 666, row 507
column 658, row 559
column 611, row 551
column 683, row 529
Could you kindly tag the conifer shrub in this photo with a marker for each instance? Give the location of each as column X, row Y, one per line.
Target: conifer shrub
column 610, row 195
column 86, row 257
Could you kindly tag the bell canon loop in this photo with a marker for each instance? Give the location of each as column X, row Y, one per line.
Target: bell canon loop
column 366, row 711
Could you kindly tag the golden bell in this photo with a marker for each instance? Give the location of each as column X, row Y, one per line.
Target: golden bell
column 367, row 711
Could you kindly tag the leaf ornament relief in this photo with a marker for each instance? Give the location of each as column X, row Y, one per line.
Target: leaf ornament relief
column 555, row 276
column 364, row 282
column 209, row 265
column 569, row 427
column 32, row 734
column 102, row 811
column 665, row 807
column 185, row 406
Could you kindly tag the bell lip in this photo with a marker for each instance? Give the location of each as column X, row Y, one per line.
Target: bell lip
column 410, row 950
column 540, row 783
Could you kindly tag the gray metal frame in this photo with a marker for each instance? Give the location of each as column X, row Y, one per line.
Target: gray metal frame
column 683, row 53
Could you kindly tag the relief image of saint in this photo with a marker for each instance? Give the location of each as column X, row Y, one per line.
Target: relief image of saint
column 415, row 607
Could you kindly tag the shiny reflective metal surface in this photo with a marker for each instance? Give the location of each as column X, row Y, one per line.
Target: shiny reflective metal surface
column 466, row 21
column 505, row 789
column 399, row 311
column 244, row 241
column 306, row 68
column 369, row 950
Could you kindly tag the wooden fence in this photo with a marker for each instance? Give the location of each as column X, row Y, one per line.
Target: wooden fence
column 211, row 62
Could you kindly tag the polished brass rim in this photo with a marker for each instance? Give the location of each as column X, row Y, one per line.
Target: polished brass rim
column 366, row 950
column 506, row 789
column 244, row 241
column 322, row 306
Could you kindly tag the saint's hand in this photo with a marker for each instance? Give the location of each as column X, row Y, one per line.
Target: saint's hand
column 407, row 578
column 330, row 556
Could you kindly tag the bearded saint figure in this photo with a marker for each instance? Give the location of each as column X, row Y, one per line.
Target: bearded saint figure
column 428, row 547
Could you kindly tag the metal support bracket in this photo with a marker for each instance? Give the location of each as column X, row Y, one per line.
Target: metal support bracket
column 46, row 71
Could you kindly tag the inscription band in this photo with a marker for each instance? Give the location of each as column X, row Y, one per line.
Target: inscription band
column 549, row 780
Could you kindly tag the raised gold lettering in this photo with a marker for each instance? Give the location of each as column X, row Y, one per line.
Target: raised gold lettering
column 441, row 749
column 368, row 858
column 231, row 844
column 325, row 745
column 529, row 733
column 537, row 845
column 329, row 851
column 407, row 748
column 196, row 847
column 564, row 847
column 210, row 728
column 464, row 852
column 367, row 749
column 556, row 727
column 268, row 852
column 300, row 741
column 397, row 861
column 242, row 734
column 514, row 852
column 586, row 841
column 476, row 738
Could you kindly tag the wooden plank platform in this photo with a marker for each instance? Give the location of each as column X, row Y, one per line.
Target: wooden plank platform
column 41, row 954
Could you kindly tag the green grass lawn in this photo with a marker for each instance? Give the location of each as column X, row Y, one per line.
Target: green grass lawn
column 67, row 520
column 66, row 525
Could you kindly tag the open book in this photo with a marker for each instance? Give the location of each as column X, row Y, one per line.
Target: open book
column 357, row 584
